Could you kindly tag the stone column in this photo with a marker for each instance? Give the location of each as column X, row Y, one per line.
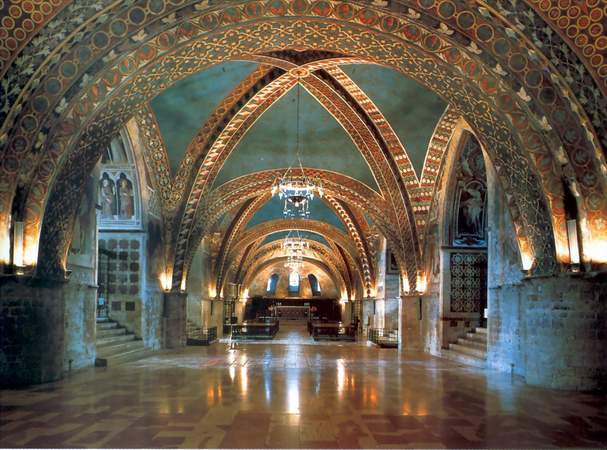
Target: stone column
column 174, row 319
column 31, row 332
column 565, row 326
column 410, row 324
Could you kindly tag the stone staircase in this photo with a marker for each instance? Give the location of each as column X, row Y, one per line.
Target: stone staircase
column 470, row 350
column 116, row 345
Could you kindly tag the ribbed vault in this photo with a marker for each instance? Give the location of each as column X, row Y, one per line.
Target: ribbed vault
column 273, row 251
column 535, row 125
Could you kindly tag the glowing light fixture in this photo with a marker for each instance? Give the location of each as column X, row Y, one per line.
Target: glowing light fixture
column 405, row 286
column 294, row 263
column 574, row 249
column 5, row 246
column 165, row 281
column 422, row 283
column 245, row 296
column 18, row 245
column 294, row 247
column 294, row 187
column 526, row 261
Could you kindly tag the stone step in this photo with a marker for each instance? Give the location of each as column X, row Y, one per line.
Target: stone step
column 102, row 334
column 470, row 343
column 106, row 325
column 118, row 348
column 468, row 350
column 122, row 358
column 477, row 337
column 481, row 330
column 114, row 340
column 462, row 358
column 133, row 355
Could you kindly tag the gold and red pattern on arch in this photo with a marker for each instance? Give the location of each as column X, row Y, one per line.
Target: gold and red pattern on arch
column 20, row 22
column 582, row 23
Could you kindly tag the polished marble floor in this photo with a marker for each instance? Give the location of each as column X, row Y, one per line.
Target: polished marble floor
column 297, row 395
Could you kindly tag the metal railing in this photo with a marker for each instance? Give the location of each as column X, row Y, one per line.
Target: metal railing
column 335, row 331
column 384, row 337
column 255, row 330
column 204, row 337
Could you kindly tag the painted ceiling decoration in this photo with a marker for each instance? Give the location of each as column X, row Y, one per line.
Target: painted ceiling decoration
column 340, row 252
column 337, row 186
column 346, row 222
column 529, row 79
column 271, row 252
column 323, row 265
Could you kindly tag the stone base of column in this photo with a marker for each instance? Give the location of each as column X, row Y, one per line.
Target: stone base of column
column 174, row 319
column 566, row 332
column 410, row 324
column 31, row 333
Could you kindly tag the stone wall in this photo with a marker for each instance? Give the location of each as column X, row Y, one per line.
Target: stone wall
column 391, row 302
column 367, row 315
column 195, row 285
column 79, row 324
column 174, row 319
column 505, row 298
column 552, row 331
column 80, row 293
column 151, row 320
column 212, row 315
column 32, row 345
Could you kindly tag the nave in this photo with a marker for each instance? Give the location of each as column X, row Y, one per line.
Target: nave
column 423, row 183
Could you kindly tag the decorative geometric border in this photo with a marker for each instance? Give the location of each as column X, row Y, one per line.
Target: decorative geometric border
column 594, row 219
column 273, row 251
column 349, row 191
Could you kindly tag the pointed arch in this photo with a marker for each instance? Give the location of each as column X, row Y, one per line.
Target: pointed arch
column 515, row 177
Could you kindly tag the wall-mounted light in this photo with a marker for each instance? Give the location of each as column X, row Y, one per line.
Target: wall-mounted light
column 574, row 248
column 165, row 281
column 421, row 282
column 526, row 261
column 597, row 251
column 18, row 260
column 183, row 284
column 5, row 246
column 406, row 288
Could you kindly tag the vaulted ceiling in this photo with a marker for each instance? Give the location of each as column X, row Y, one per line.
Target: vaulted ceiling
column 325, row 139
column 412, row 110
column 210, row 86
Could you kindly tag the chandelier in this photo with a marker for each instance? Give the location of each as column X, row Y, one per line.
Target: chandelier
column 297, row 193
column 294, row 263
column 294, row 248
column 294, row 187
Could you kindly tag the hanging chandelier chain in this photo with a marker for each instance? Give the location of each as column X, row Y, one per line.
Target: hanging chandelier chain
column 298, row 129
column 297, row 191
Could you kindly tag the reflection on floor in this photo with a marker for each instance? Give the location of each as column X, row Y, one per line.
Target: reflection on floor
column 297, row 396
column 293, row 332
